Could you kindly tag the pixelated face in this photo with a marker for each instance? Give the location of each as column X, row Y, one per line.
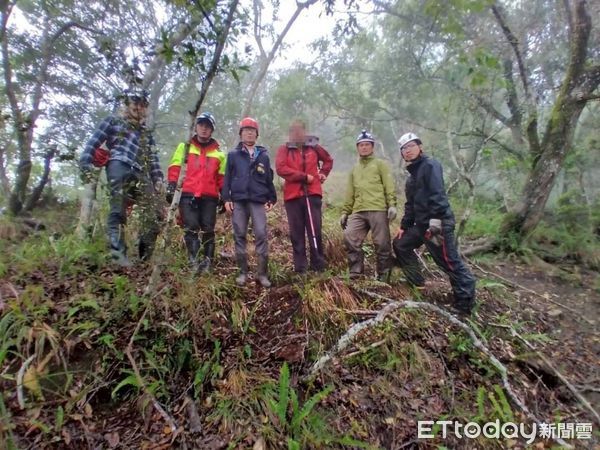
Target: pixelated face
column 410, row 151
column 137, row 110
column 249, row 135
column 365, row 148
column 203, row 131
column 297, row 133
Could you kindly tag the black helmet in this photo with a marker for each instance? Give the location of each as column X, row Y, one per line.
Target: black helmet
column 207, row 117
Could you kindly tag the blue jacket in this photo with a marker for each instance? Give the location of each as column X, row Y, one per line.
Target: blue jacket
column 246, row 179
column 425, row 194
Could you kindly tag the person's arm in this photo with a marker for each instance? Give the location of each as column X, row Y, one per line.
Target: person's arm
column 222, row 166
column 438, row 200
column 327, row 161
column 156, row 173
column 389, row 186
column 349, row 198
column 101, row 134
column 408, row 220
column 226, row 189
column 175, row 164
column 284, row 169
column 271, row 184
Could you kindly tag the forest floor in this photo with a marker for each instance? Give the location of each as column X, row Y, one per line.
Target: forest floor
column 88, row 361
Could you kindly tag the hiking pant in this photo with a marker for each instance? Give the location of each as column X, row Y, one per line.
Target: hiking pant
column 356, row 231
column 128, row 186
column 199, row 213
column 242, row 212
column 299, row 224
column 445, row 256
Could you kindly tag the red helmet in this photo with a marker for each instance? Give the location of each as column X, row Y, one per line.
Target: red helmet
column 249, row 122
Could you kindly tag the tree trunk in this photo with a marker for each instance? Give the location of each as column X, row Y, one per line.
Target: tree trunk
column 88, row 207
column 17, row 195
column 543, row 174
column 578, row 85
column 4, row 182
column 36, row 194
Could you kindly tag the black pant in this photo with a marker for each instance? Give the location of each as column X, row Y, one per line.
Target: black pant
column 129, row 186
column 445, row 256
column 300, row 224
column 199, row 213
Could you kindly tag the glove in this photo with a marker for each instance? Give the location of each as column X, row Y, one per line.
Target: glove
column 344, row 221
column 434, row 232
column 101, row 155
column 170, row 191
column 392, row 213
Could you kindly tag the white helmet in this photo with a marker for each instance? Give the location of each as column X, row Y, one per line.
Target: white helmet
column 406, row 138
column 365, row 136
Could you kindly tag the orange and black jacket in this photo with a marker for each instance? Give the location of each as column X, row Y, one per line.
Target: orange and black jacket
column 205, row 169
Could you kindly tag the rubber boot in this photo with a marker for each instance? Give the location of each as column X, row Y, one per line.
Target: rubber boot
column 145, row 248
column 356, row 266
column 118, row 249
column 242, row 263
column 262, row 277
column 463, row 306
column 209, row 255
column 192, row 244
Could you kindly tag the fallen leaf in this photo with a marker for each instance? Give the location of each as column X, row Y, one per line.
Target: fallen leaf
column 31, row 382
column 113, row 439
column 66, row 436
column 555, row 312
column 260, row 444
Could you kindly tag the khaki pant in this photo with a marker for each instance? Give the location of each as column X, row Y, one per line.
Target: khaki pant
column 359, row 225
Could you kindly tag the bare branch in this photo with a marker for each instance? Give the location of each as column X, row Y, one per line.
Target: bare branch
column 267, row 59
column 514, row 43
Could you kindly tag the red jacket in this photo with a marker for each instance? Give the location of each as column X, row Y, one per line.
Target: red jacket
column 293, row 164
column 205, row 169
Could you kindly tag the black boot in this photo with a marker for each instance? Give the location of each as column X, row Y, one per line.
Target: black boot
column 145, row 248
column 209, row 255
column 463, row 306
column 262, row 275
column 118, row 249
column 192, row 243
column 242, row 263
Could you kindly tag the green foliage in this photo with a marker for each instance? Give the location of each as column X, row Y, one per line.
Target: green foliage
column 485, row 219
column 295, row 419
column 492, row 405
column 208, row 370
column 130, row 380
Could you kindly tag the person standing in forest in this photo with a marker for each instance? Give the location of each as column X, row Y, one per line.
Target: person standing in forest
column 124, row 145
column 248, row 192
column 304, row 166
column 370, row 205
column 200, row 191
column 428, row 219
